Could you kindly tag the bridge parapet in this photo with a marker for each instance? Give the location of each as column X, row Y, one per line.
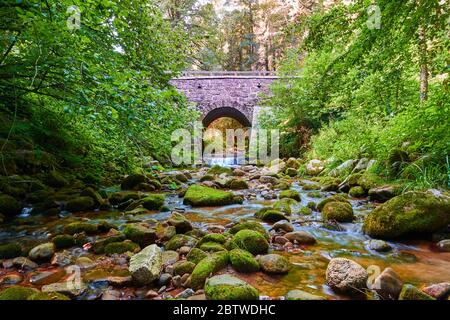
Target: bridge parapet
column 192, row 74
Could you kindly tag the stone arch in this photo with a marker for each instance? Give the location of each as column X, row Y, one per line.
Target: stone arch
column 226, row 112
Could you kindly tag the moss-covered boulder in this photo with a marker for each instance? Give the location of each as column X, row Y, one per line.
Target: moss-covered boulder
column 48, row 296
column 357, row 192
column 227, row 287
column 153, row 201
column 209, row 265
column 56, row 179
column 410, row 213
column 63, row 241
column 95, row 195
column 270, row 215
column 100, row 243
column 338, row 211
column 79, row 204
column 140, row 233
column 201, row 196
column 17, row 293
column 78, row 227
column 237, row 184
column 9, row 206
column 42, row 252
column 213, row 237
column 409, row 292
column 196, row 255
column 207, row 177
column 181, row 224
column 292, row 194
column 249, row 225
column 10, row 250
column 369, row 180
column 121, row 247
column 133, row 180
column 211, row 247
column 180, row 240
column 284, row 205
column 217, row 170
column 125, row 196
column 333, row 198
column 182, row 267
column 305, row 211
column 252, row 241
column 274, row 264
column 243, row 261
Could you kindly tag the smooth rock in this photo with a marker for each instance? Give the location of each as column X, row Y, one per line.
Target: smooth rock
column 283, row 225
column 227, row 287
column 300, row 237
column 274, row 264
column 42, row 252
column 302, row 295
column 378, row 245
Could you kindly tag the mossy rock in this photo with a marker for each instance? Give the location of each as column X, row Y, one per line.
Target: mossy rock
column 207, row 177
column 153, row 201
column 196, row 255
column 183, row 267
column 338, row 211
column 99, row 245
column 284, row 205
column 212, row 247
column 79, row 227
column 79, row 204
column 48, row 296
column 238, row 184
column 227, row 287
column 282, row 185
column 56, row 179
column 201, row 196
column 9, row 206
column 207, row 266
column 357, row 192
column 180, row 240
column 292, row 194
column 130, row 182
column 305, row 211
column 243, row 261
column 270, row 215
column 249, row 225
column 369, row 180
column 10, row 250
column 412, row 213
column 213, row 237
column 352, row 180
column 140, row 233
column 333, row 198
column 181, row 224
column 274, row 264
column 17, row 293
column 121, row 247
column 409, row 292
column 121, row 197
column 252, row 241
column 90, row 192
column 310, row 186
column 217, row 170
column 64, row 241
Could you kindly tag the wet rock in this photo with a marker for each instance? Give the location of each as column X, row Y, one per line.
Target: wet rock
column 274, row 264
column 409, row 292
column 314, row 167
column 388, row 285
column 24, row 263
column 382, row 193
column 444, row 245
column 46, row 277
column 270, row 215
column 212, row 247
column 357, row 192
column 64, row 241
column 164, row 232
column 9, row 206
column 170, row 257
column 84, row 263
column 338, row 211
column 11, row 250
column 153, row 201
column 410, row 213
column 227, row 287
column 291, row 194
column 79, row 204
column 254, row 226
column 291, row 172
column 333, row 226
column 181, row 224
column 140, row 233
column 196, row 255
column 182, row 267
column 151, row 294
column 251, row 241
column 185, row 280
column 100, row 243
column 300, row 237
column 180, row 240
column 218, row 170
column 206, row 267
column 11, row 279
column 268, row 179
column 440, row 291
column 146, row 265
column 243, row 261
column 333, row 198
column 164, row 279
column 200, row 196
column 185, row 294
column 79, row 227
column 238, row 172
column 121, row 247
column 184, row 250
column 346, row 276
column 283, row 225
column 176, row 281
column 132, row 181
column 42, row 252
column 280, row 240
column 377, row 245
column 302, row 295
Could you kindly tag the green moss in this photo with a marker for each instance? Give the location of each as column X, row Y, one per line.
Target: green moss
column 213, row 237
column 334, row 198
column 207, row 177
column 121, row 247
column 292, row 194
column 305, row 211
column 282, row 185
column 369, row 180
column 270, row 215
column 237, row 184
column 200, row 196
column 217, row 170
column 182, row 267
column 284, row 205
column 78, row 227
column 255, row 226
column 311, row 186
column 357, row 192
column 243, row 261
column 180, row 240
column 409, row 213
column 132, row 181
column 48, row 296
column 17, row 293
column 140, row 234
column 80, row 204
column 100, row 243
column 10, row 250
column 153, row 201
column 227, row 287
column 56, row 179
column 207, row 266
column 196, row 255
column 64, row 241
column 338, row 211
column 90, row 192
column 212, row 247
column 9, row 206
column 120, row 197
column 409, row 292
column 251, row 241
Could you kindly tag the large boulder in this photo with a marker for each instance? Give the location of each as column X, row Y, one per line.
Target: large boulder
column 252, row 241
column 291, row 194
column 9, row 206
column 227, row 287
column 153, row 201
column 409, row 213
column 338, row 211
column 334, row 198
column 274, row 264
column 201, row 196
column 346, row 276
column 243, row 261
column 146, row 265
column 249, row 225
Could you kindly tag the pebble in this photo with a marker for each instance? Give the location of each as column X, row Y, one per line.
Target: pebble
column 152, row 294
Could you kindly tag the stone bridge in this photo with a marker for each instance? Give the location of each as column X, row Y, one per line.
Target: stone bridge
column 234, row 94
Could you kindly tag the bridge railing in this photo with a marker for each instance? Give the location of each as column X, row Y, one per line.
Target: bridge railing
column 193, row 73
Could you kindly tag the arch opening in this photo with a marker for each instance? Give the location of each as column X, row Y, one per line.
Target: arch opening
column 226, row 112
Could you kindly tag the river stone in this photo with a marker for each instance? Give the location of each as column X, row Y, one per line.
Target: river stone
column 283, row 225
column 268, row 179
column 338, row 211
column 46, row 277
column 185, row 294
column 345, row 167
column 302, row 295
column 314, row 167
column 274, row 263
column 346, row 276
column 388, row 285
column 42, row 252
column 252, row 241
column 243, row 261
column 24, row 263
column 377, row 245
column 227, row 287
column 382, row 193
column 169, row 257
column 146, row 265
column 444, row 245
column 438, row 291
column 206, row 267
column 11, row 279
column 300, row 237
column 181, row 224
column 409, row 292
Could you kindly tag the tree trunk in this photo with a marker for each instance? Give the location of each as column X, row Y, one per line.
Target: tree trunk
column 423, row 64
